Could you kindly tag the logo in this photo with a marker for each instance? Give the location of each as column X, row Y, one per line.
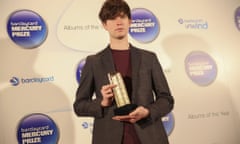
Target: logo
column 88, row 125
column 79, row 69
column 193, row 23
column 85, row 125
column 27, row 29
column 145, row 27
column 200, row 68
column 237, row 18
column 168, row 123
column 16, row 81
column 37, row 128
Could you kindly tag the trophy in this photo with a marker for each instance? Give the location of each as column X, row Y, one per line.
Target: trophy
column 124, row 107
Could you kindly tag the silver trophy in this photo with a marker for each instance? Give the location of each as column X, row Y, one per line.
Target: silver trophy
column 124, row 106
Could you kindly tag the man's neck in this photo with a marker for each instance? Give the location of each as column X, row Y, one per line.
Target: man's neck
column 119, row 44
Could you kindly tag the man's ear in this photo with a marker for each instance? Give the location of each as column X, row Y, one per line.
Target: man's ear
column 130, row 22
column 104, row 25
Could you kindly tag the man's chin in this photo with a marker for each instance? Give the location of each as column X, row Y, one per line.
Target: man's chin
column 120, row 37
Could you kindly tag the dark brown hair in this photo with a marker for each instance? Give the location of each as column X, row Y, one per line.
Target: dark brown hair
column 113, row 8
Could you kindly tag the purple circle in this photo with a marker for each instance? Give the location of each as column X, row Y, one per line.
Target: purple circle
column 37, row 128
column 79, row 70
column 237, row 18
column 200, row 68
column 145, row 26
column 26, row 28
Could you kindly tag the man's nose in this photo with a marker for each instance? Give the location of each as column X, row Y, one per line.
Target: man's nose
column 119, row 20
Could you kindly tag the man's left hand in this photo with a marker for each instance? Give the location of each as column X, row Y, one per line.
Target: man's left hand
column 136, row 115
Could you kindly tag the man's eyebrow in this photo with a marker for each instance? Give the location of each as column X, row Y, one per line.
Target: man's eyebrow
column 121, row 14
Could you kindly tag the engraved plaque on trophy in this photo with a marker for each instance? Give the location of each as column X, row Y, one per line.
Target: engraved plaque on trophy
column 124, row 107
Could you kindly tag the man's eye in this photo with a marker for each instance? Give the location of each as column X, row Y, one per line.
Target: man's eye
column 123, row 16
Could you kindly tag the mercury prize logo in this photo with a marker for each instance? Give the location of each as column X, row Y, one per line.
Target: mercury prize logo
column 145, row 26
column 37, row 128
column 200, row 68
column 15, row 81
column 26, row 28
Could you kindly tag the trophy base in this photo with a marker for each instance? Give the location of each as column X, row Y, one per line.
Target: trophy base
column 125, row 110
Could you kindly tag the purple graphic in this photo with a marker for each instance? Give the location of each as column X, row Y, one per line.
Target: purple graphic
column 79, row 69
column 200, row 68
column 145, row 27
column 237, row 18
column 37, row 128
column 27, row 29
column 168, row 123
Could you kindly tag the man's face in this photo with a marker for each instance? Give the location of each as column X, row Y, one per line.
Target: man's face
column 118, row 27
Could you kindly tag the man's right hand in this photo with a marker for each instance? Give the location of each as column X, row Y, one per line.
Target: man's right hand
column 107, row 94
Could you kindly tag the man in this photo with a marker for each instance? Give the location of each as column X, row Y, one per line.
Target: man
column 143, row 77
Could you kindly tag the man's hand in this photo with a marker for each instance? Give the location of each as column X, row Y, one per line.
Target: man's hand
column 138, row 114
column 107, row 94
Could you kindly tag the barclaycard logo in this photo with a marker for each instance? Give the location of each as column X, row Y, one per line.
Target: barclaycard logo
column 85, row 125
column 199, row 24
column 15, row 81
column 88, row 125
column 37, row 128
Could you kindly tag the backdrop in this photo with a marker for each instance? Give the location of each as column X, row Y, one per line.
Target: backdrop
column 43, row 46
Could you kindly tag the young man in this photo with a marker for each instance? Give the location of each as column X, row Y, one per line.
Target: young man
column 144, row 79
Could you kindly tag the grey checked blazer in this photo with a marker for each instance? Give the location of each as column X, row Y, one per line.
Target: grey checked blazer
column 149, row 89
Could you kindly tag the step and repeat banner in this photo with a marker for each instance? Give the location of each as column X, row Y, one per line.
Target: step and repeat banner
column 43, row 46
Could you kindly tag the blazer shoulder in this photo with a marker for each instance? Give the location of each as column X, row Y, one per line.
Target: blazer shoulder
column 144, row 52
column 97, row 55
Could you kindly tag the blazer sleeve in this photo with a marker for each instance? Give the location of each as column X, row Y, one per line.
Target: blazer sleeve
column 164, row 101
column 84, row 104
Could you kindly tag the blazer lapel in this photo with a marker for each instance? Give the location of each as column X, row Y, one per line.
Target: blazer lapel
column 135, row 60
column 107, row 61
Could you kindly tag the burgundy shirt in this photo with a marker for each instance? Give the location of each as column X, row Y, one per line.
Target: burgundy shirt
column 122, row 62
